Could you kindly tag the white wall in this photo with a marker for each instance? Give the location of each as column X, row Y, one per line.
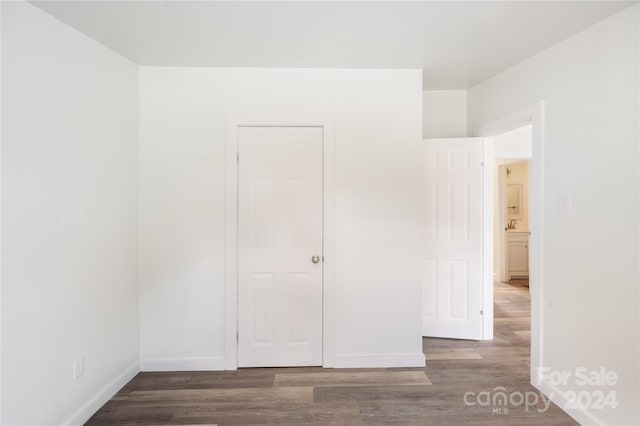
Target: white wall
column 444, row 114
column 589, row 84
column 513, row 144
column 182, row 206
column 69, row 219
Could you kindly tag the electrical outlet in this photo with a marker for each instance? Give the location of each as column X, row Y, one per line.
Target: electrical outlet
column 78, row 367
column 564, row 203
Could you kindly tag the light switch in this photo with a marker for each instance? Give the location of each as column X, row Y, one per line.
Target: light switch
column 564, row 203
column 78, row 367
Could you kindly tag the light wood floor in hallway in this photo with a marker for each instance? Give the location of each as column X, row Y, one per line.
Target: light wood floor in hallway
column 434, row 395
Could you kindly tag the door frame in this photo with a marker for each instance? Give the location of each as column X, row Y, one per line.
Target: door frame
column 532, row 114
column 328, row 228
column 502, row 242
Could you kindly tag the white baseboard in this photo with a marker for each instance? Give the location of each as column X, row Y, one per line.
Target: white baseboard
column 557, row 397
column 88, row 409
column 380, row 361
column 182, row 364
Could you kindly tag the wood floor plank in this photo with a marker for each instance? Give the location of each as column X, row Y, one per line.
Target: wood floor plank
column 116, row 414
column 347, row 413
column 521, row 321
column 246, row 396
column 358, row 378
column 374, row 393
column 214, row 381
column 443, row 354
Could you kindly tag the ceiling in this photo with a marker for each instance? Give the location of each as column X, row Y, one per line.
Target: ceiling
column 456, row 43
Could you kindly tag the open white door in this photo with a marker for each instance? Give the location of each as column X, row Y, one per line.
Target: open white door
column 452, row 263
column 280, row 246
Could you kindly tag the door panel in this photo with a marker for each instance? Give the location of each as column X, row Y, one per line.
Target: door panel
column 279, row 231
column 452, row 263
column 518, row 249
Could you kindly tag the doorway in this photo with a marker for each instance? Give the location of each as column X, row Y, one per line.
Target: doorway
column 511, row 221
column 280, row 242
column 512, row 151
column 531, row 116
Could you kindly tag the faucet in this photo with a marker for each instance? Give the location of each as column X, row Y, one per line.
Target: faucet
column 512, row 224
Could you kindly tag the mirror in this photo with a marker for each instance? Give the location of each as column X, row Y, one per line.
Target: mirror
column 514, row 201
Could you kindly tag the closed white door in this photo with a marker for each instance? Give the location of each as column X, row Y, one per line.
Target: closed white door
column 452, row 263
column 280, row 246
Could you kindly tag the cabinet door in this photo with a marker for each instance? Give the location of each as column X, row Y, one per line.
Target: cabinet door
column 518, row 258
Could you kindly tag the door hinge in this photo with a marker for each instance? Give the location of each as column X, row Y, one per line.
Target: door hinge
column 481, row 311
column 482, row 163
column 237, row 157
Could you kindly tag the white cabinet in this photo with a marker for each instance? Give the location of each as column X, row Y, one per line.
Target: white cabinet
column 518, row 254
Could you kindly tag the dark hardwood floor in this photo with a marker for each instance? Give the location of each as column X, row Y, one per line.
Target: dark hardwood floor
column 456, row 371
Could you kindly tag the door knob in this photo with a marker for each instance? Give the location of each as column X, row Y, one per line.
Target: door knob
column 315, row 259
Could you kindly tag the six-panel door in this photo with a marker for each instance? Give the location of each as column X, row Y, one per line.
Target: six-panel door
column 279, row 233
column 452, row 262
